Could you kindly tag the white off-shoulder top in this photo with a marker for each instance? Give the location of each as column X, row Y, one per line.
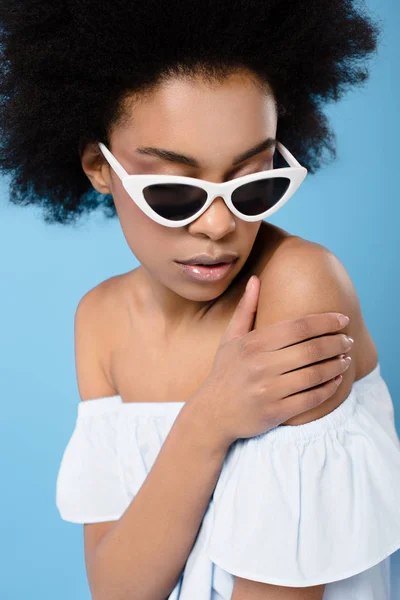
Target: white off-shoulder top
column 296, row 506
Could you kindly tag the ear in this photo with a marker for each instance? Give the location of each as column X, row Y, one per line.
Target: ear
column 96, row 168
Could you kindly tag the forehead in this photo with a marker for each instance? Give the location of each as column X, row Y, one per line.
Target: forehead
column 219, row 119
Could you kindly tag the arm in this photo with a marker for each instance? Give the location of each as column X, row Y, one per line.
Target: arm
column 142, row 555
column 302, row 278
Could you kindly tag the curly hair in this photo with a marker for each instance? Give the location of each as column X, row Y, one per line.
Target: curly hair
column 68, row 65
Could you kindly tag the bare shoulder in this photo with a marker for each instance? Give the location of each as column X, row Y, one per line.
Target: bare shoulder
column 101, row 305
column 93, row 309
column 304, row 277
column 93, row 317
column 316, row 280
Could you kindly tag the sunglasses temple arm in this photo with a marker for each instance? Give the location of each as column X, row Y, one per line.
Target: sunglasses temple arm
column 287, row 155
column 118, row 168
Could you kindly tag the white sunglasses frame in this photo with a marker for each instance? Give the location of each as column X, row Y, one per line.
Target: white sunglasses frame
column 134, row 185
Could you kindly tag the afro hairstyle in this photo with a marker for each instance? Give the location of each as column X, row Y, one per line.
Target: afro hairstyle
column 68, row 65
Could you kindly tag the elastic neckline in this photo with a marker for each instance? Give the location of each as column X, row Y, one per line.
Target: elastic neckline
column 105, row 404
column 332, row 420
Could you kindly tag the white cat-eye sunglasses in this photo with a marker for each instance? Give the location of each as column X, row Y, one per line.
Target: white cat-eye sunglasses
column 176, row 201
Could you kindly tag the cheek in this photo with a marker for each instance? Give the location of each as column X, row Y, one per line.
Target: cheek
column 247, row 232
column 148, row 241
column 135, row 225
column 129, row 214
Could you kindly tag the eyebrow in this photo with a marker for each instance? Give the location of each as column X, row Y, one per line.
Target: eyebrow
column 175, row 157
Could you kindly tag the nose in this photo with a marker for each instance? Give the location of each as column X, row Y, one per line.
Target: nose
column 215, row 222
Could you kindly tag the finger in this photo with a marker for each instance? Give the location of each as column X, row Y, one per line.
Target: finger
column 243, row 317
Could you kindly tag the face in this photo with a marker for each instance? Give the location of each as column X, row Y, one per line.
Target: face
column 212, row 124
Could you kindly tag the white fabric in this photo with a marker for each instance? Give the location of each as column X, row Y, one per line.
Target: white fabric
column 296, row 506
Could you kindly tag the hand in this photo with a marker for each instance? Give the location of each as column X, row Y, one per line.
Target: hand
column 261, row 378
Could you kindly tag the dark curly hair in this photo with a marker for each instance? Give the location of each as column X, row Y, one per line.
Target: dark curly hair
column 68, row 65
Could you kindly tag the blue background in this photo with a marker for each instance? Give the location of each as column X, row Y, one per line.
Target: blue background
column 351, row 207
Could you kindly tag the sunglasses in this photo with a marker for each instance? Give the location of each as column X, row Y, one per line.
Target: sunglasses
column 176, row 201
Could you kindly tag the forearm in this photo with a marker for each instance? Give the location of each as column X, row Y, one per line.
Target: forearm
column 144, row 553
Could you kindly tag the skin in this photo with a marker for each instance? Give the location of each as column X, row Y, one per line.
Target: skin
column 194, row 119
column 174, row 320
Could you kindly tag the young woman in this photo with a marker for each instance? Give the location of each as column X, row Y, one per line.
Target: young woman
column 224, row 447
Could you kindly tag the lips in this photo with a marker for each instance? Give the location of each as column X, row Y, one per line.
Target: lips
column 207, row 273
column 206, row 259
column 208, row 264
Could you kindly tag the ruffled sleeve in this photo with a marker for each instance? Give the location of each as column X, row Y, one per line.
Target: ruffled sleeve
column 308, row 504
column 89, row 485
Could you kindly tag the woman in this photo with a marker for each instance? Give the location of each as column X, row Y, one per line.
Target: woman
column 224, row 446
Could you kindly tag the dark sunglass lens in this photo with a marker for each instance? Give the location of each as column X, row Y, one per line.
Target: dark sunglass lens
column 175, row 201
column 259, row 196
